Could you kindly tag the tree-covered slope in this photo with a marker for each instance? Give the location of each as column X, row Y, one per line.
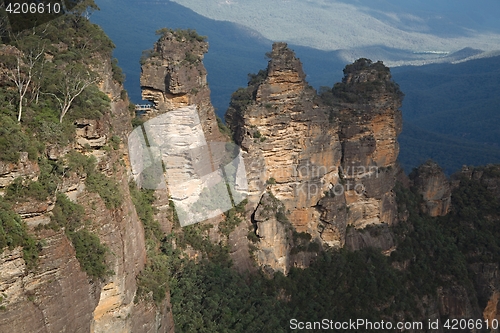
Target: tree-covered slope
column 49, row 79
column 450, row 113
column 436, row 262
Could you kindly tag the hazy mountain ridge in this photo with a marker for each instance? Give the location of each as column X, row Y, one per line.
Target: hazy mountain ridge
column 336, row 25
column 456, row 100
column 418, row 145
column 437, row 17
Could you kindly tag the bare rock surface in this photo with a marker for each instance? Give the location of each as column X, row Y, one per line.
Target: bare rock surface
column 174, row 77
column 435, row 188
column 23, row 168
column 331, row 163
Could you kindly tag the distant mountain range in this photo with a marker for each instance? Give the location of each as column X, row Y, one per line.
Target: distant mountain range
column 419, row 31
column 449, row 110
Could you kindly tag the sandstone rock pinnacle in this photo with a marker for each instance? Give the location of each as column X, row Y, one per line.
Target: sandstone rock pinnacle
column 330, row 159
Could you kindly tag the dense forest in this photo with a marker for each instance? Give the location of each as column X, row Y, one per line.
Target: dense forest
column 433, row 253
column 450, row 113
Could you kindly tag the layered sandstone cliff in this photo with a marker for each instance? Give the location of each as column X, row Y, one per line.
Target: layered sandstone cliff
column 57, row 295
column 435, row 188
column 330, row 164
column 370, row 122
column 173, row 76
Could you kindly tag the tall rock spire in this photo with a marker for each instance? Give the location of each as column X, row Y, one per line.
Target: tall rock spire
column 331, row 162
column 173, row 76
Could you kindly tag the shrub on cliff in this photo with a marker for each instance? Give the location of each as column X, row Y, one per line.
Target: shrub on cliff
column 91, row 254
column 13, row 233
column 143, row 200
column 243, row 97
column 256, row 79
column 153, row 279
column 106, row 187
column 364, row 64
column 118, row 74
column 42, row 189
column 13, row 139
column 189, row 35
column 240, row 99
column 377, row 80
column 89, row 251
column 67, row 214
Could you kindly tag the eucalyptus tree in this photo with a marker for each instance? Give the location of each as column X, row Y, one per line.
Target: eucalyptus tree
column 71, row 82
column 24, row 64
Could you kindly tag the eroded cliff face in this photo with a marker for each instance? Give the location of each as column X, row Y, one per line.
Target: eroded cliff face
column 182, row 124
column 118, row 310
column 23, row 168
column 370, row 122
column 435, row 188
column 173, row 76
column 330, row 165
column 57, row 295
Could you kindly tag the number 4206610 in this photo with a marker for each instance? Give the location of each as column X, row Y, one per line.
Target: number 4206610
column 33, row 8
column 461, row 324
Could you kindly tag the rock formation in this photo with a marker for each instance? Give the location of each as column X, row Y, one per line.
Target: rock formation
column 23, row 168
column 321, row 173
column 57, row 295
column 182, row 123
column 435, row 188
column 173, row 76
column 370, row 122
column 330, row 164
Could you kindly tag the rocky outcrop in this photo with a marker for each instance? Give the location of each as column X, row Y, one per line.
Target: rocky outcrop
column 289, row 145
column 368, row 104
column 121, row 230
column 330, row 164
column 173, row 76
column 182, row 123
column 274, row 235
column 492, row 310
column 24, row 168
column 435, row 188
column 90, row 133
column 376, row 236
column 56, row 297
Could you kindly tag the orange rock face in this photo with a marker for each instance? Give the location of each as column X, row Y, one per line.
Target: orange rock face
column 492, row 310
column 174, row 77
column 290, row 146
column 435, row 188
column 330, row 163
